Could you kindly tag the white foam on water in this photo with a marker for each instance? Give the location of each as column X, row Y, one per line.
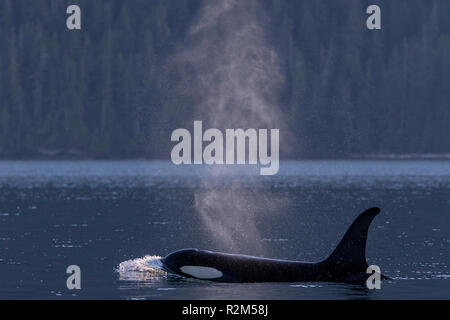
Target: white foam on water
column 305, row 286
column 141, row 269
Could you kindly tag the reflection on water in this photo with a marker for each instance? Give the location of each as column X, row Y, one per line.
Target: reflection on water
column 115, row 219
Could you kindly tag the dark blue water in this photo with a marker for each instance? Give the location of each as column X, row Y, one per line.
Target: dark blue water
column 113, row 218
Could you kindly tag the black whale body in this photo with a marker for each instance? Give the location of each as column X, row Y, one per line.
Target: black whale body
column 347, row 263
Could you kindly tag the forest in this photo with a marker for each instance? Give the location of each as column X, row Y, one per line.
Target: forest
column 109, row 91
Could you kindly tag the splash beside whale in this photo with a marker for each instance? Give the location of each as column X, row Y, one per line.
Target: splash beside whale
column 346, row 264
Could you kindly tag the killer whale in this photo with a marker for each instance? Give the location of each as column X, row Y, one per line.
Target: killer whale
column 347, row 263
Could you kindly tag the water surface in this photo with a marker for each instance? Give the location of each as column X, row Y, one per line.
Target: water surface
column 114, row 219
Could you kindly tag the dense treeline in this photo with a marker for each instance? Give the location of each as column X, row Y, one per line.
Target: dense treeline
column 109, row 91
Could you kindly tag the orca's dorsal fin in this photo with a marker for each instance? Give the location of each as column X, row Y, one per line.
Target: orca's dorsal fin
column 351, row 251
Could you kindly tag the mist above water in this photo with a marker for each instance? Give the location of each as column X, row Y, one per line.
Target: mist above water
column 233, row 74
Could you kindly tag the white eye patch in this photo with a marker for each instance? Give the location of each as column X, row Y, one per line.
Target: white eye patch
column 202, row 272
